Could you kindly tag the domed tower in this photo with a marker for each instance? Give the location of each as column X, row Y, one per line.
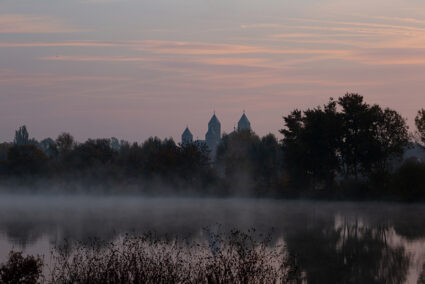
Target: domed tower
column 213, row 136
column 187, row 137
column 244, row 123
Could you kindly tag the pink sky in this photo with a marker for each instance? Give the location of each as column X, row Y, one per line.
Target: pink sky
column 135, row 68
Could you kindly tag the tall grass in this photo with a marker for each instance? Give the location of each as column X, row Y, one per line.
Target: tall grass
column 235, row 257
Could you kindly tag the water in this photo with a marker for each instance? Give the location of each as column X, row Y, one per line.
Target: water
column 335, row 242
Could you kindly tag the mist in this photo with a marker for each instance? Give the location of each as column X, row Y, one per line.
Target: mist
column 37, row 224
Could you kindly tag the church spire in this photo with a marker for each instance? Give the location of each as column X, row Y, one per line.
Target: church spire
column 244, row 123
column 187, row 137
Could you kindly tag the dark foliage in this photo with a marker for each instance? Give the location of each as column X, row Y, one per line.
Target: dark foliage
column 408, row 182
column 106, row 163
column 25, row 160
column 19, row 269
column 420, row 125
column 310, row 144
column 345, row 149
column 339, row 150
column 250, row 165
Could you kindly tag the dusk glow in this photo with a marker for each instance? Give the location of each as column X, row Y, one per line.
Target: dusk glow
column 134, row 68
column 212, row 141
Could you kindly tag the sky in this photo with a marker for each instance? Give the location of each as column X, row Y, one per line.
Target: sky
column 132, row 69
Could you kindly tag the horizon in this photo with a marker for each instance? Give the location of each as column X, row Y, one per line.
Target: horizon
column 136, row 69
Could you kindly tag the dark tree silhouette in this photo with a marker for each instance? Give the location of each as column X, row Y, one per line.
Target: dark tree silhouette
column 19, row 269
column 65, row 142
column 359, row 141
column 4, row 148
column 343, row 149
column 372, row 136
column 248, row 163
column 21, row 136
column 25, row 160
column 408, row 182
column 311, row 141
column 420, row 125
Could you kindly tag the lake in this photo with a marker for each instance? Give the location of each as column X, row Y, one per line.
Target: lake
column 334, row 242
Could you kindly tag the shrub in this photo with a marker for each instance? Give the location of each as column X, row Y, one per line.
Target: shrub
column 409, row 181
column 19, row 269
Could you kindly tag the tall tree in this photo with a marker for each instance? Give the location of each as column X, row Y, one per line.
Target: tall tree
column 356, row 117
column 310, row 144
column 372, row 137
column 357, row 141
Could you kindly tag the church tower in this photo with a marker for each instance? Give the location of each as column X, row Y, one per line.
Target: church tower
column 213, row 136
column 187, row 137
column 244, row 123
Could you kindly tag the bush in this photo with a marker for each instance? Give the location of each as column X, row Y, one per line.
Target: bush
column 409, row 181
column 19, row 269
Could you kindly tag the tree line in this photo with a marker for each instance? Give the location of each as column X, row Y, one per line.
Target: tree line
column 345, row 149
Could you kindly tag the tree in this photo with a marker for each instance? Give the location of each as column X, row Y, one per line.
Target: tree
column 235, row 153
column 93, row 152
column 115, row 144
column 408, row 182
column 392, row 137
column 356, row 139
column 194, row 164
column 248, row 162
column 360, row 140
column 372, row 137
column 21, row 136
column 48, row 146
column 65, row 142
column 160, row 157
column 420, row 125
column 310, row 144
column 4, row 148
column 268, row 163
column 25, row 160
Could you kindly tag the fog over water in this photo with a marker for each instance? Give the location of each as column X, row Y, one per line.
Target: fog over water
column 329, row 238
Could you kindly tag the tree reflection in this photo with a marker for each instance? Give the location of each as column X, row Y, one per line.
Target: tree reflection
column 421, row 279
column 348, row 253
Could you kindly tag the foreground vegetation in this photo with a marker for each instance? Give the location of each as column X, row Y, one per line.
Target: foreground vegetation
column 346, row 149
column 235, row 258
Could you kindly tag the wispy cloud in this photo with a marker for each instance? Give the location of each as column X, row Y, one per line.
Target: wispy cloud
column 201, row 48
column 100, row 58
column 242, row 55
column 23, row 23
column 101, row 1
column 84, row 43
column 12, row 77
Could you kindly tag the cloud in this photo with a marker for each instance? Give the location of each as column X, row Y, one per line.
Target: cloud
column 220, row 54
column 171, row 47
column 23, row 23
column 201, row 48
column 391, row 56
column 101, row 1
column 86, row 43
column 104, row 58
column 12, row 77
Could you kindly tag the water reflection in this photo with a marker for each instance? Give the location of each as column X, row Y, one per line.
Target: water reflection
column 333, row 242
